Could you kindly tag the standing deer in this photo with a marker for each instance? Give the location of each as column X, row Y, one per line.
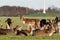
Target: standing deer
column 30, row 22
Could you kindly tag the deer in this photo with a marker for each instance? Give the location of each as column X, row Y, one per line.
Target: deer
column 7, row 30
column 48, row 31
column 30, row 22
column 19, row 31
column 4, row 31
column 56, row 24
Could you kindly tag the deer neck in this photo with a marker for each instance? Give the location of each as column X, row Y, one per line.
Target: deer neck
column 23, row 19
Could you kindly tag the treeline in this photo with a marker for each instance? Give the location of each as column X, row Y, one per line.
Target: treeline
column 15, row 11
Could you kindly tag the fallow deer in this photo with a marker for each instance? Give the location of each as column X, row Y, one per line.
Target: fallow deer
column 45, row 32
column 30, row 22
column 19, row 31
column 5, row 31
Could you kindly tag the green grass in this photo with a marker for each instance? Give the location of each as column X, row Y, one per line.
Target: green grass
column 17, row 21
column 43, row 15
column 14, row 37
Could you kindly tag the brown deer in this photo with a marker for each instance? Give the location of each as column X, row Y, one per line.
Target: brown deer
column 30, row 22
column 19, row 31
column 7, row 30
column 45, row 32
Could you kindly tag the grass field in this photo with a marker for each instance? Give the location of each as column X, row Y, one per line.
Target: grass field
column 13, row 37
column 17, row 21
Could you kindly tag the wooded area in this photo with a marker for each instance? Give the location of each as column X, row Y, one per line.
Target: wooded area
column 15, row 11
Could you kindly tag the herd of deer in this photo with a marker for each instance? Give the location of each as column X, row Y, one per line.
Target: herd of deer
column 34, row 27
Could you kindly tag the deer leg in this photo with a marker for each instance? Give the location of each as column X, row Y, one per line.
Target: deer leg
column 28, row 27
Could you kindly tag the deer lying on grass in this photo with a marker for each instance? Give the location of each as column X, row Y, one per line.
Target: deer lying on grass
column 30, row 22
column 20, row 31
column 6, row 31
column 56, row 24
column 46, row 32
